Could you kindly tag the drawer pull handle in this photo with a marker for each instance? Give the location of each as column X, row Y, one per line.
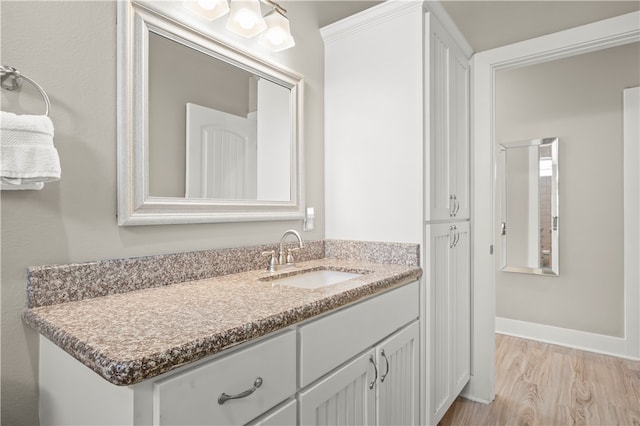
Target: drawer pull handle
column 375, row 367
column 384, row 376
column 225, row 397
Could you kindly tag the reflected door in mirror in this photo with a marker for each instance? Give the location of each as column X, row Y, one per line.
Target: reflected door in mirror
column 235, row 137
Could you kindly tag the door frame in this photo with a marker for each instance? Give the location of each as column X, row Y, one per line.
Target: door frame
column 484, row 65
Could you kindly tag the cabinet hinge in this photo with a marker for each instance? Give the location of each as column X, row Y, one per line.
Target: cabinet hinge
column 491, row 249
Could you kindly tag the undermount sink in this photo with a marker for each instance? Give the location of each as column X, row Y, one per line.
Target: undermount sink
column 315, row 278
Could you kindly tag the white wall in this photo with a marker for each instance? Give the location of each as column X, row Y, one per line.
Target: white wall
column 69, row 47
column 377, row 196
column 579, row 100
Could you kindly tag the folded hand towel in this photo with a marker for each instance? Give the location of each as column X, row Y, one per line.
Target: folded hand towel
column 27, row 155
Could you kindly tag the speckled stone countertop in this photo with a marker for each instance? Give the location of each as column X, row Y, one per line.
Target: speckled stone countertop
column 132, row 336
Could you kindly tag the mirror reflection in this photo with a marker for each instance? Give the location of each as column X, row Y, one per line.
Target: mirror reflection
column 529, row 206
column 217, row 131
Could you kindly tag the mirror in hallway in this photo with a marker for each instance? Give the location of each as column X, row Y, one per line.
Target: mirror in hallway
column 528, row 176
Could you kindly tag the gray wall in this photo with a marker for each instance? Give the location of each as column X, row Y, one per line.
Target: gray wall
column 578, row 99
column 70, row 49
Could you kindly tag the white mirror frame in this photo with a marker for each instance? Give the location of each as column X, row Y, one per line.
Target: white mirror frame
column 135, row 205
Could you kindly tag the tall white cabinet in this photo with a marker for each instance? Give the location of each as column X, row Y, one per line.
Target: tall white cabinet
column 447, row 216
column 397, row 167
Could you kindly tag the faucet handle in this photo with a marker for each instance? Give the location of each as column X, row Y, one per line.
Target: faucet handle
column 290, row 259
column 272, row 262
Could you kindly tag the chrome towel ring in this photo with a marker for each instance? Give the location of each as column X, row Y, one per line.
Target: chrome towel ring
column 11, row 79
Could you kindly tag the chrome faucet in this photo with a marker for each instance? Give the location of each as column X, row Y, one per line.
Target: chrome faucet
column 283, row 259
column 288, row 258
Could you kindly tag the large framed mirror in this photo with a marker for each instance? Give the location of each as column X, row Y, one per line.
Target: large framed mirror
column 529, row 224
column 206, row 132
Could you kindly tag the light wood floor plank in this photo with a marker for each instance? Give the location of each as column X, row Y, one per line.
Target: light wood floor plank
column 541, row 384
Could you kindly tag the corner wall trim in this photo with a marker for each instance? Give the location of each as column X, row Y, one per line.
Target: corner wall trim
column 435, row 7
column 367, row 18
column 599, row 343
column 631, row 149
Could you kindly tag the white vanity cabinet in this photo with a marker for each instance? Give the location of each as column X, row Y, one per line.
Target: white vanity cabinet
column 369, row 348
column 378, row 387
column 376, row 343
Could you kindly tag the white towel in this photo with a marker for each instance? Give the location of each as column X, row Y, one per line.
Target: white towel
column 27, row 155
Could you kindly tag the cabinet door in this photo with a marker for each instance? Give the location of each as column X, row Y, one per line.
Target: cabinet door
column 398, row 402
column 460, row 277
column 334, row 339
column 345, row 397
column 439, row 168
column 450, row 285
column 449, row 127
column 459, row 133
column 440, row 241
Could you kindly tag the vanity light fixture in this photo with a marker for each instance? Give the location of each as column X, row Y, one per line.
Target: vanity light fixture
column 208, row 9
column 278, row 36
column 246, row 20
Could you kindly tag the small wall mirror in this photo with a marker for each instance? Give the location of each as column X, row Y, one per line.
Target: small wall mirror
column 206, row 132
column 529, row 224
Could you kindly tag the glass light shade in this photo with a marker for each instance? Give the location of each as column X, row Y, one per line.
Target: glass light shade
column 208, row 9
column 246, row 18
column 278, row 34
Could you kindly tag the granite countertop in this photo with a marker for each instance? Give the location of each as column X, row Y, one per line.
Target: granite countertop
column 136, row 335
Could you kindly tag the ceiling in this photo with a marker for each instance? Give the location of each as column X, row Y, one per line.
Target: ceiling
column 330, row 11
column 489, row 24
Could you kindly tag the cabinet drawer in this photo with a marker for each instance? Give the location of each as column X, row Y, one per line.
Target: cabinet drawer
column 192, row 397
column 285, row 415
column 334, row 339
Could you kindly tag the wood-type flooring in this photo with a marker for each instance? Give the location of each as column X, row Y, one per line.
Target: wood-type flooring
column 542, row 384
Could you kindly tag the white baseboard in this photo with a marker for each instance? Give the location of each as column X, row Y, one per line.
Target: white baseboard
column 599, row 343
column 472, row 397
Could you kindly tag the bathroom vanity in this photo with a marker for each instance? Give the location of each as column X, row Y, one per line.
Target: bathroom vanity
column 237, row 348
